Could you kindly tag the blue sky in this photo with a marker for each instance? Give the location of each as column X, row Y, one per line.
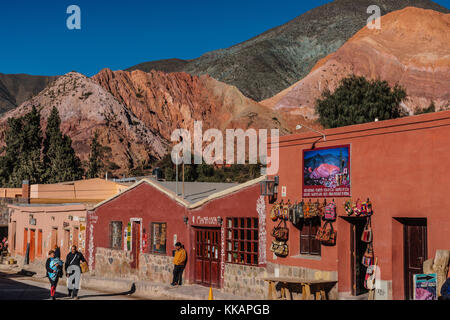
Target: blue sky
column 118, row 34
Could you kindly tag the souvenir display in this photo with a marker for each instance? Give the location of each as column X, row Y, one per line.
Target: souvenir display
column 281, row 233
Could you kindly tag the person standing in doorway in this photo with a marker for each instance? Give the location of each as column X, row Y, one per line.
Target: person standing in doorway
column 179, row 262
column 73, row 271
column 52, row 266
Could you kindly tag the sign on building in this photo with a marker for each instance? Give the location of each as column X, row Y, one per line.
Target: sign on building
column 326, row 172
column 425, row 286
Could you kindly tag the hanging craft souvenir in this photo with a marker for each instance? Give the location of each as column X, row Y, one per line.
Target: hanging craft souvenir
column 330, row 211
column 348, row 207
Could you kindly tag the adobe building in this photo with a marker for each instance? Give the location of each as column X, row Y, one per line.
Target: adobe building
column 402, row 166
column 48, row 214
column 222, row 227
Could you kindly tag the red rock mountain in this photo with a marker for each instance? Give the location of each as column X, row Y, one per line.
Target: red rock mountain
column 84, row 106
column 412, row 49
column 169, row 101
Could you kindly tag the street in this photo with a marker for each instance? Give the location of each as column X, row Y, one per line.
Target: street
column 18, row 287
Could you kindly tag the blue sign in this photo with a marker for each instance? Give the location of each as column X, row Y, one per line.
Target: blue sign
column 425, row 286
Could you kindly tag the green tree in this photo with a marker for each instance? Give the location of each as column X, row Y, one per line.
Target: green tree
column 357, row 100
column 59, row 158
column 95, row 158
column 22, row 157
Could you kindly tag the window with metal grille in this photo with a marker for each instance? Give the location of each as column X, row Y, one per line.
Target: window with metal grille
column 308, row 243
column 115, row 234
column 242, row 241
column 158, row 232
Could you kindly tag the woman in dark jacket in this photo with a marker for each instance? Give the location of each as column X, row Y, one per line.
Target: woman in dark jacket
column 52, row 266
column 73, row 259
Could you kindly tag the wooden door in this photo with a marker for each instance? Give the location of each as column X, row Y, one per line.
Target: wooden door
column 207, row 257
column 54, row 239
column 25, row 240
column 75, row 236
column 66, row 248
column 135, row 243
column 39, row 243
column 32, row 244
column 357, row 250
column 415, row 252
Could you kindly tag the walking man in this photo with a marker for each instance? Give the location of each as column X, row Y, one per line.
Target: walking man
column 73, row 271
column 179, row 262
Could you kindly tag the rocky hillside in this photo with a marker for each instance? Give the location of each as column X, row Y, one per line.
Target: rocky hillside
column 169, row 101
column 412, row 49
column 271, row 62
column 84, row 106
column 16, row 88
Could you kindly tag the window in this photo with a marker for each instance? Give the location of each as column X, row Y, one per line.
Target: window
column 115, row 228
column 242, row 241
column 158, row 234
column 308, row 243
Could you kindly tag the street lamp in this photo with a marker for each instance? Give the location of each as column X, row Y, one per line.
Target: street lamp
column 300, row 126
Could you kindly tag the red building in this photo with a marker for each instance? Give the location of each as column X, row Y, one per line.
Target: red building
column 133, row 233
column 402, row 166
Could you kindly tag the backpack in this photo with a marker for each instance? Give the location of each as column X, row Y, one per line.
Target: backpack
column 367, row 234
column 298, row 213
column 330, row 211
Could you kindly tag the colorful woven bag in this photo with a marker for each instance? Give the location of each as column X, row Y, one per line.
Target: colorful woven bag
column 367, row 235
column 330, row 211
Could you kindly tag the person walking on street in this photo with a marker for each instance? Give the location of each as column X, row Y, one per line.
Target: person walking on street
column 52, row 266
column 73, row 271
column 179, row 262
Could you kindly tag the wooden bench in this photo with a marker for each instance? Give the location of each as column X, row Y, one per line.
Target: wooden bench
column 286, row 284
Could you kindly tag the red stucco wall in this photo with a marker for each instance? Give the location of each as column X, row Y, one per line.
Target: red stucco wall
column 403, row 166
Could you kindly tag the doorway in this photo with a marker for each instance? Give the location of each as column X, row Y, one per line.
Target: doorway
column 66, row 242
column 357, row 250
column 39, row 243
column 25, row 241
column 415, row 251
column 32, row 244
column 54, row 239
column 75, row 234
column 135, row 243
column 207, row 257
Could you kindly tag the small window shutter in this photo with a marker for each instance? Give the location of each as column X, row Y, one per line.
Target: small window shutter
column 305, row 239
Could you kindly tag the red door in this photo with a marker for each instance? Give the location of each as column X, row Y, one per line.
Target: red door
column 32, row 244
column 25, row 240
column 415, row 244
column 207, row 257
column 136, row 243
column 39, row 243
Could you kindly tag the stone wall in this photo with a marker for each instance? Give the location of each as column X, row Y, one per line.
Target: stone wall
column 245, row 281
column 156, row 268
column 111, row 263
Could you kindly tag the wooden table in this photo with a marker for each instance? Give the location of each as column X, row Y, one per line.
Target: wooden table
column 305, row 284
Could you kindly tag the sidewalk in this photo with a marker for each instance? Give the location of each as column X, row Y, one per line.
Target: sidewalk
column 141, row 289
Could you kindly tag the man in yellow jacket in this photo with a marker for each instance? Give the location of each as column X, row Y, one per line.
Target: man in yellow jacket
column 179, row 261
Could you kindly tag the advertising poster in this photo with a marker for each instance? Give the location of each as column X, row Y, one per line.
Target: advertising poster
column 425, row 286
column 326, row 172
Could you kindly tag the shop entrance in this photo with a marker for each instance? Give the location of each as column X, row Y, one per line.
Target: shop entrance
column 207, row 257
column 357, row 249
column 415, row 251
column 135, row 243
